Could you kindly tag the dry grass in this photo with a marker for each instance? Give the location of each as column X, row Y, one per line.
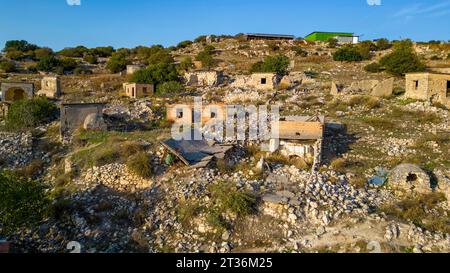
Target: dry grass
column 418, row 209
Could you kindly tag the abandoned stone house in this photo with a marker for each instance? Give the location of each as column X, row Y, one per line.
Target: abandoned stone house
column 204, row 78
column 259, row 81
column 13, row 91
column 300, row 137
column 434, row 87
column 187, row 113
column 75, row 116
column 374, row 88
column 138, row 90
column 50, row 87
column 131, row 69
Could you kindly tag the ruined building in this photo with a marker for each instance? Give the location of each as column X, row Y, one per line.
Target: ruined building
column 13, row 91
column 50, row 87
column 131, row 69
column 434, row 87
column 259, row 81
column 204, row 78
column 138, row 90
column 74, row 116
column 300, row 137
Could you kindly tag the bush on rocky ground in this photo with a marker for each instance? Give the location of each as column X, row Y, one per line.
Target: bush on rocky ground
column 23, row 202
column 141, row 165
column 29, row 113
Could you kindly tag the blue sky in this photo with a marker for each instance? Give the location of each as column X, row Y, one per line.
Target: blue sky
column 128, row 23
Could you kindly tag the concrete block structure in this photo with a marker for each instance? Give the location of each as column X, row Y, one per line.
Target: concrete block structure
column 14, row 91
column 138, row 90
column 433, row 87
column 258, row 81
column 50, row 87
column 75, row 115
column 204, row 78
column 131, row 69
column 300, row 137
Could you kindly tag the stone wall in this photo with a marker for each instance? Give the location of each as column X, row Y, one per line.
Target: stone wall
column 114, row 176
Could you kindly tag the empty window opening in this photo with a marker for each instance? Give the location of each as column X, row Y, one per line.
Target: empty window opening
column 132, row 92
column 412, row 177
column 416, row 84
column 213, row 115
column 448, row 89
column 144, row 90
column 263, row 81
column 180, row 114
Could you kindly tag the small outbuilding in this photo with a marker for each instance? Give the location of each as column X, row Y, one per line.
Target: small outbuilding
column 13, row 91
column 138, row 90
column 434, row 87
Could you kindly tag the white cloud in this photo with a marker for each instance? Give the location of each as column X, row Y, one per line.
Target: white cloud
column 374, row 2
column 421, row 9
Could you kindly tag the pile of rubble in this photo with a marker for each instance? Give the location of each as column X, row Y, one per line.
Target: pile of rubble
column 114, row 176
column 15, row 149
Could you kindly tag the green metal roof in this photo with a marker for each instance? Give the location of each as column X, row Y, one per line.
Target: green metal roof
column 324, row 36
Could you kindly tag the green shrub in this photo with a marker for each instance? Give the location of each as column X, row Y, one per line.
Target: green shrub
column 417, row 211
column 102, row 51
column 19, row 45
column 230, row 199
column 43, row 52
column 47, row 64
column 68, row 64
column 141, row 165
column 332, row 42
column 82, row 71
column 383, row 44
column 118, row 62
column 186, row 64
column 23, row 202
column 90, row 58
column 347, row 54
column 74, row 52
column 206, row 58
column 299, row 51
column 374, row 68
column 277, row 64
column 200, row 39
column 8, row 66
column 184, row 44
column 365, row 48
column 171, row 87
column 156, row 74
column 29, row 113
column 402, row 60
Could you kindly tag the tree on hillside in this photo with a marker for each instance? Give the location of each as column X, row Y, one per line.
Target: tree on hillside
column 402, row 60
column 19, row 45
column 118, row 61
column 277, row 64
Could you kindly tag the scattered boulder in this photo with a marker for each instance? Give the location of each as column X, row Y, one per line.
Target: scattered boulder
column 94, row 122
column 384, row 88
